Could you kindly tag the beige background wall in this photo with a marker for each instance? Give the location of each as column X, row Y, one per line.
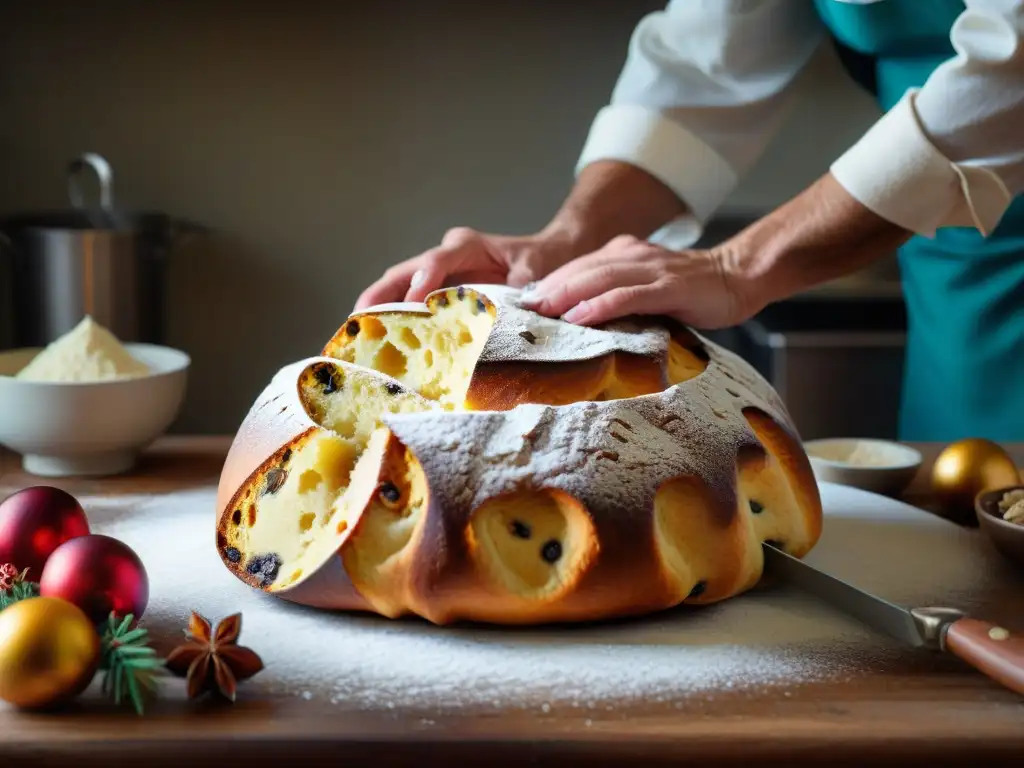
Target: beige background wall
column 325, row 141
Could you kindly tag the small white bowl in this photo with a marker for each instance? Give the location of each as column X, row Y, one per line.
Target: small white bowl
column 91, row 428
column 879, row 466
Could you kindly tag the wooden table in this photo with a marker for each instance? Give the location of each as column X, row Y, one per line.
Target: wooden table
column 909, row 716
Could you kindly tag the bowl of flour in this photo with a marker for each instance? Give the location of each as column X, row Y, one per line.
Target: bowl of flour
column 86, row 404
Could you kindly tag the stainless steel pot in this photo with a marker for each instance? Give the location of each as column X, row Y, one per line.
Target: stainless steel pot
column 89, row 260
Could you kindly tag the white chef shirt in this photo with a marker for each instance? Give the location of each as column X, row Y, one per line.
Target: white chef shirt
column 707, row 83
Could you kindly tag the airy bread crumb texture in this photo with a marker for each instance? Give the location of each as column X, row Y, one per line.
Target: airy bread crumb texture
column 469, row 460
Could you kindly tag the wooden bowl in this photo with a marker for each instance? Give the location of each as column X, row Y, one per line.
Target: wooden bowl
column 1008, row 538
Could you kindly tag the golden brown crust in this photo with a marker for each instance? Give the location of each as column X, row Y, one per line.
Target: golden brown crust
column 268, row 426
column 559, row 474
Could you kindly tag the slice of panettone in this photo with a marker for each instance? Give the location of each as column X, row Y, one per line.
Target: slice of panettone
column 312, row 474
column 521, row 470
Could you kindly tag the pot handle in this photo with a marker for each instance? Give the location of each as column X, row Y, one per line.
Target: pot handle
column 104, row 174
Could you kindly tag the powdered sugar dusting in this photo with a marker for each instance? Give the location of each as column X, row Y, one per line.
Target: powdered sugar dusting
column 765, row 639
column 553, row 340
column 607, row 457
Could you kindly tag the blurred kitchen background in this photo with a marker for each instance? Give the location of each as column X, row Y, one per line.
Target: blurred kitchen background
column 318, row 143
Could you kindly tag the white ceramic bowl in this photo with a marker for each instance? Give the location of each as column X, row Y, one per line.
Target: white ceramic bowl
column 880, row 466
column 92, row 428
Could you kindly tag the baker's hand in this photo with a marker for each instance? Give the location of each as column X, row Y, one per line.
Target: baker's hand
column 468, row 256
column 630, row 276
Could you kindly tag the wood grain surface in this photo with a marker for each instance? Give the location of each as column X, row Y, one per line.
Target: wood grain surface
column 912, row 713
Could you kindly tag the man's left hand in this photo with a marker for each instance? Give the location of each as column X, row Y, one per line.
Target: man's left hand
column 630, row 276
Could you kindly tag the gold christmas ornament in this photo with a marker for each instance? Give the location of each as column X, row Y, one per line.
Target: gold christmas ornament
column 967, row 467
column 49, row 652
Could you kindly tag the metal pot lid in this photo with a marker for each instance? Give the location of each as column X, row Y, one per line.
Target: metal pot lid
column 97, row 216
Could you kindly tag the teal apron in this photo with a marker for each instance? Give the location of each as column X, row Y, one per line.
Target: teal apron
column 964, row 365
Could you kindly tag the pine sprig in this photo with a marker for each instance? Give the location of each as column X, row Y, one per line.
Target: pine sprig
column 130, row 666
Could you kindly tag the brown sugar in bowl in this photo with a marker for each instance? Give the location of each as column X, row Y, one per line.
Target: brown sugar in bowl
column 1007, row 537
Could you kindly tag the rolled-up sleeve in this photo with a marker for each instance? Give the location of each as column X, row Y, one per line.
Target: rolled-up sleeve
column 951, row 153
column 705, row 87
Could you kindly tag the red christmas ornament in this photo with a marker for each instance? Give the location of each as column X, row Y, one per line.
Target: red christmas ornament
column 99, row 574
column 34, row 522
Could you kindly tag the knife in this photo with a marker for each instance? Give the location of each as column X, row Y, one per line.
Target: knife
column 989, row 648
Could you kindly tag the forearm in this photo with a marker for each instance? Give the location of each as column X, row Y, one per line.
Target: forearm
column 612, row 198
column 820, row 235
column 704, row 88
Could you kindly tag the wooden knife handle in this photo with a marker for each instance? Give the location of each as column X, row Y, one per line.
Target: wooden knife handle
column 990, row 649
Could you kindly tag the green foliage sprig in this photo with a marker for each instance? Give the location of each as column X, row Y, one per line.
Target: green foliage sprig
column 130, row 666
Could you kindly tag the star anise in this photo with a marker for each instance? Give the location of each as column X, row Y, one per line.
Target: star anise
column 213, row 660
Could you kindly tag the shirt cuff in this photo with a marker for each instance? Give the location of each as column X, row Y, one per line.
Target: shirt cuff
column 647, row 139
column 895, row 171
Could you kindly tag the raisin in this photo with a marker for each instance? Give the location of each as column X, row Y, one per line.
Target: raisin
column 551, row 551
column 264, row 568
column 327, row 377
column 776, row 543
column 393, row 389
column 232, row 554
column 461, row 293
column 520, row 529
column 527, row 336
column 389, row 493
column 286, row 455
column 698, row 589
column 756, row 507
column 236, row 517
column 480, row 306
column 352, row 328
column 275, row 479
column 442, row 301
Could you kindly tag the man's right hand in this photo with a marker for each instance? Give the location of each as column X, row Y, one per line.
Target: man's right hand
column 468, row 256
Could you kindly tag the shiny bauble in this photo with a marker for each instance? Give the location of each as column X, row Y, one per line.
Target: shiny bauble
column 99, row 574
column 34, row 522
column 49, row 652
column 967, row 467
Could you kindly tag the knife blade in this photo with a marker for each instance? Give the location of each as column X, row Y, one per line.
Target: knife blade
column 992, row 650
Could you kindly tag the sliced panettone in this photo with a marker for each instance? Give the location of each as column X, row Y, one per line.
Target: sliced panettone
column 513, row 469
column 332, row 471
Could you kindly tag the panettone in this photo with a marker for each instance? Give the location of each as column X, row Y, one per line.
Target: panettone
column 466, row 459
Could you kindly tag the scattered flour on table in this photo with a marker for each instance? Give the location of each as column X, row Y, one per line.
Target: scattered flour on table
column 747, row 644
